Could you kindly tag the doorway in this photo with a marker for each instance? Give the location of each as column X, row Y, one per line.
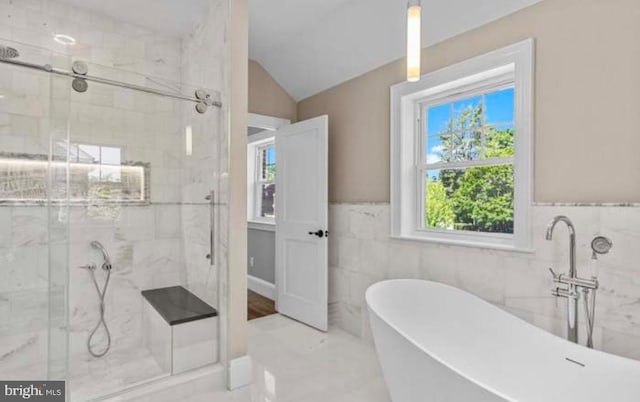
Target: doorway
column 261, row 225
column 287, row 214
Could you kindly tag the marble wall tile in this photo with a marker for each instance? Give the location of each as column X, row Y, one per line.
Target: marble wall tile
column 373, row 258
column 362, row 222
column 338, row 285
column 483, row 274
column 518, row 282
column 157, row 337
column 334, row 251
column 23, row 268
column 195, row 344
column 339, row 214
column 5, row 308
column 358, row 284
column 439, row 264
column 350, row 318
column 621, row 344
column 168, row 222
column 349, row 253
column 29, row 226
column 404, row 261
column 21, row 356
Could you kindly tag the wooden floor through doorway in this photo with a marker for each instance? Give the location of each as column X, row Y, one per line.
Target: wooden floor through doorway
column 259, row 306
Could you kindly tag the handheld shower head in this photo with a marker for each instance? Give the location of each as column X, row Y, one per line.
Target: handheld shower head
column 105, row 255
column 600, row 245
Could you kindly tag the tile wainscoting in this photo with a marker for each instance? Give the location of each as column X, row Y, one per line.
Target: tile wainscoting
column 362, row 253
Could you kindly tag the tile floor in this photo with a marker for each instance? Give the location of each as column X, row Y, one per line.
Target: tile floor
column 295, row 363
column 116, row 370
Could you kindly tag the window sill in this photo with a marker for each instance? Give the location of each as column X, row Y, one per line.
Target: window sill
column 260, row 225
column 465, row 243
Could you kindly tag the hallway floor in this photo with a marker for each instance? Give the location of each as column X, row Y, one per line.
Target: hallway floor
column 259, row 306
column 295, row 363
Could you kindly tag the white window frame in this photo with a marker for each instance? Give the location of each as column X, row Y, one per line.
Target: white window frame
column 269, row 125
column 513, row 63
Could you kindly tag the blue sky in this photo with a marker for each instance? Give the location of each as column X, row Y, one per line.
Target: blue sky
column 269, row 159
column 271, row 155
column 499, row 110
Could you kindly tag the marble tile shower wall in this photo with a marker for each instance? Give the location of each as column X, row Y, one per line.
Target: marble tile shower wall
column 361, row 253
column 210, row 154
column 23, row 292
column 149, row 244
column 100, row 39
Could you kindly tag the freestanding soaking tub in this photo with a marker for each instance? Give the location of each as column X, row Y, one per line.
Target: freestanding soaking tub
column 439, row 343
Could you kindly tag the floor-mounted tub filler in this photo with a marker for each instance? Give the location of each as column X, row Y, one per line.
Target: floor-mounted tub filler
column 439, row 343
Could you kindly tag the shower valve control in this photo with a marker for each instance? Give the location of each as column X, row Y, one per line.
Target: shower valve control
column 574, row 281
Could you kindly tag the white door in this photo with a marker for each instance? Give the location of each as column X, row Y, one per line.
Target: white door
column 301, row 221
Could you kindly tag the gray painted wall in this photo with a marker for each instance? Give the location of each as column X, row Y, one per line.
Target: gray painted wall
column 262, row 247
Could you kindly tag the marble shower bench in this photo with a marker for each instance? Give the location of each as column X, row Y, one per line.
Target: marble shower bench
column 181, row 330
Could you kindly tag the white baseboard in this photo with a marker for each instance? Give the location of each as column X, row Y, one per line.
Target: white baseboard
column 239, row 372
column 262, row 287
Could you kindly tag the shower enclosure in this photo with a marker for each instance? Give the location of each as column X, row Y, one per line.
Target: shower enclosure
column 113, row 131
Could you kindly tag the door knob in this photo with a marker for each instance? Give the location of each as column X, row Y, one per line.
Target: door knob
column 319, row 233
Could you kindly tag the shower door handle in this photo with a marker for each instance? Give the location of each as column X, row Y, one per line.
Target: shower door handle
column 212, row 238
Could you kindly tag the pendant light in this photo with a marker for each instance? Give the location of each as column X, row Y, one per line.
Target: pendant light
column 414, row 17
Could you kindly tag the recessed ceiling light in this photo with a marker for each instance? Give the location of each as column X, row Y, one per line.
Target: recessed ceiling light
column 1, row 96
column 65, row 39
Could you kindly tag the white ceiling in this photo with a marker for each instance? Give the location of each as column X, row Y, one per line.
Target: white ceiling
column 173, row 17
column 312, row 45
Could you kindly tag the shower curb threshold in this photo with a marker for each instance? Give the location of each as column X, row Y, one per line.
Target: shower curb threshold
column 216, row 371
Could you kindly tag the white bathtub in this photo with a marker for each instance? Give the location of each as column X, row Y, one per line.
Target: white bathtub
column 438, row 343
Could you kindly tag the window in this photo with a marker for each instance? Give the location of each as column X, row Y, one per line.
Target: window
column 467, row 165
column 461, row 152
column 261, row 179
column 261, row 170
column 266, row 181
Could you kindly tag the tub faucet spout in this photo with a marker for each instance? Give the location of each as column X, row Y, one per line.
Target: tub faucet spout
column 570, row 293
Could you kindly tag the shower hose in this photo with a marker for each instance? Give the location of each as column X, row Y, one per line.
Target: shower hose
column 102, row 322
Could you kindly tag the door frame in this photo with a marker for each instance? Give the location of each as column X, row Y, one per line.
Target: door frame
column 265, row 122
column 269, row 124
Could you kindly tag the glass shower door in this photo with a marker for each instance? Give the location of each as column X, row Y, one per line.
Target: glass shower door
column 141, row 171
column 33, row 116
